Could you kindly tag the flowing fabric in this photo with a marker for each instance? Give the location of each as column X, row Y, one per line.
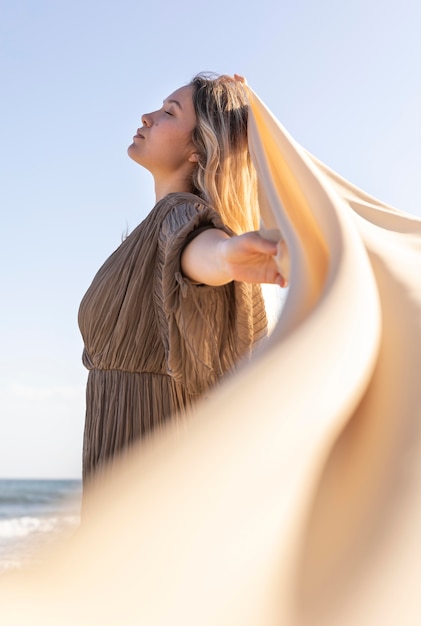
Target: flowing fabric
column 292, row 496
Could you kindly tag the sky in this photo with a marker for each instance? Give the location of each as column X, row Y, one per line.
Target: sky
column 342, row 77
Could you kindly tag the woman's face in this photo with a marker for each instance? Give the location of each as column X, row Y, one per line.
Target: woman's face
column 163, row 144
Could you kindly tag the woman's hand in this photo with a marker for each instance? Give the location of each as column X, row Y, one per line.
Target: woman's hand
column 214, row 258
column 252, row 259
column 240, row 79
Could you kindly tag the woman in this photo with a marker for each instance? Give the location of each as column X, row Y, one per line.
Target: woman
column 177, row 305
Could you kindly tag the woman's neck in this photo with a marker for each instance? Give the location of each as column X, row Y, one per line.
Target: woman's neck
column 175, row 184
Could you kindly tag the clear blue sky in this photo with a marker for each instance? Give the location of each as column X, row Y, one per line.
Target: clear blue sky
column 343, row 78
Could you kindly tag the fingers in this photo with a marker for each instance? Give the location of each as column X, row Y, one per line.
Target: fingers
column 280, row 280
column 281, row 254
column 253, row 258
column 260, row 244
column 283, row 260
column 240, row 79
column 278, row 251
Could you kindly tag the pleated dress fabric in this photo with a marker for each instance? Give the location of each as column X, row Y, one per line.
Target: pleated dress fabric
column 154, row 342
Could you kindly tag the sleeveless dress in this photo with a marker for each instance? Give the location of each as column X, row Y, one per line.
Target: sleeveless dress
column 154, row 342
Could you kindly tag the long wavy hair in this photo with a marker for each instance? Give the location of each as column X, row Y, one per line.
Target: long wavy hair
column 225, row 176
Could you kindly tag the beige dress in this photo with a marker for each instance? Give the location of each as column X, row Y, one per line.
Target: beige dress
column 155, row 342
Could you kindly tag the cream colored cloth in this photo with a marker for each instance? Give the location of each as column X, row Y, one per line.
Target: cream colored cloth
column 292, row 497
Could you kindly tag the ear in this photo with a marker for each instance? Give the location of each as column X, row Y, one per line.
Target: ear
column 194, row 157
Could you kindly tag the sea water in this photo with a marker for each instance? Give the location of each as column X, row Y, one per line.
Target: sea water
column 33, row 514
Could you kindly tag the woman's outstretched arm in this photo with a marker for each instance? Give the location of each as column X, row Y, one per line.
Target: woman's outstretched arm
column 214, row 258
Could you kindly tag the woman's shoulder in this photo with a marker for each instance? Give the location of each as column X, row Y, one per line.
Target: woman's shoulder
column 183, row 207
column 182, row 198
column 182, row 213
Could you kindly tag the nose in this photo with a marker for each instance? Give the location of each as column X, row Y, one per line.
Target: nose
column 146, row 120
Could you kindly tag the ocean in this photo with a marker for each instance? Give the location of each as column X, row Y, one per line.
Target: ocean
column 33, row 514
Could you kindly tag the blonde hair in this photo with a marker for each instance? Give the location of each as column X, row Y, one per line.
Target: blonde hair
column 225, row 176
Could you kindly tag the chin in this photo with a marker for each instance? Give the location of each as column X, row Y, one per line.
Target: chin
column 131, row 151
